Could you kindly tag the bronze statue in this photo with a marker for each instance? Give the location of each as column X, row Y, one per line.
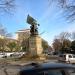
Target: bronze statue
column 33, row 27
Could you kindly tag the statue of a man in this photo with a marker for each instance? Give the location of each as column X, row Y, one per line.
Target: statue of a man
column 33, row 27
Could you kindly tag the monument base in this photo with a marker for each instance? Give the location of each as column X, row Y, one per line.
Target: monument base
column 35, row 46
column 29, row 57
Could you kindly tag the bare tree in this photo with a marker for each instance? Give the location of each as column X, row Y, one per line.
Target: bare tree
column 64, row 35
column 62, row 42
column 73, row 35
column 6, row 5
column 68, row 6
column 3, row 32
column 57, row 45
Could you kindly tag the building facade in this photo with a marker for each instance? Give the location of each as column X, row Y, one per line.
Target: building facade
column 22, row 34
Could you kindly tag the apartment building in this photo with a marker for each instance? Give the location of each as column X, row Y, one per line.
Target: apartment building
column 22, row 34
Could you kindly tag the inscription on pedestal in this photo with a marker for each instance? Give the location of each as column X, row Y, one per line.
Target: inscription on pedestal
column 35, row 45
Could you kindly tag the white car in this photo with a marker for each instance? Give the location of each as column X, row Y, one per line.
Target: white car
column 2, row 55
column 68, row 58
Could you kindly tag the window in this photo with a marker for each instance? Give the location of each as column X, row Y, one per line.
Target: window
column 70, row 56
column 73, row 56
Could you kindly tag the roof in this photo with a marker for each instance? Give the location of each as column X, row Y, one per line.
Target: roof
column 34, row 67
column 23, row 30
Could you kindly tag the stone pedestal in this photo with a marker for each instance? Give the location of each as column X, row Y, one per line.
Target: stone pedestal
column 35, row 45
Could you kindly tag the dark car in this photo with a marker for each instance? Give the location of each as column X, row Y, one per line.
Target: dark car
column 48, row 69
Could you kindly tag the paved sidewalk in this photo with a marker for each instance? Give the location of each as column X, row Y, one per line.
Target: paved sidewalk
column 9, row 69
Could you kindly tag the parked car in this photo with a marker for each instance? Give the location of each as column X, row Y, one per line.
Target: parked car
column 47, row 69
column 3, row 55
column 68, row 58
column 17, row 54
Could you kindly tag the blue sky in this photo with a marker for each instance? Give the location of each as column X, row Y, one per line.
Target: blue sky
column 49, row 16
